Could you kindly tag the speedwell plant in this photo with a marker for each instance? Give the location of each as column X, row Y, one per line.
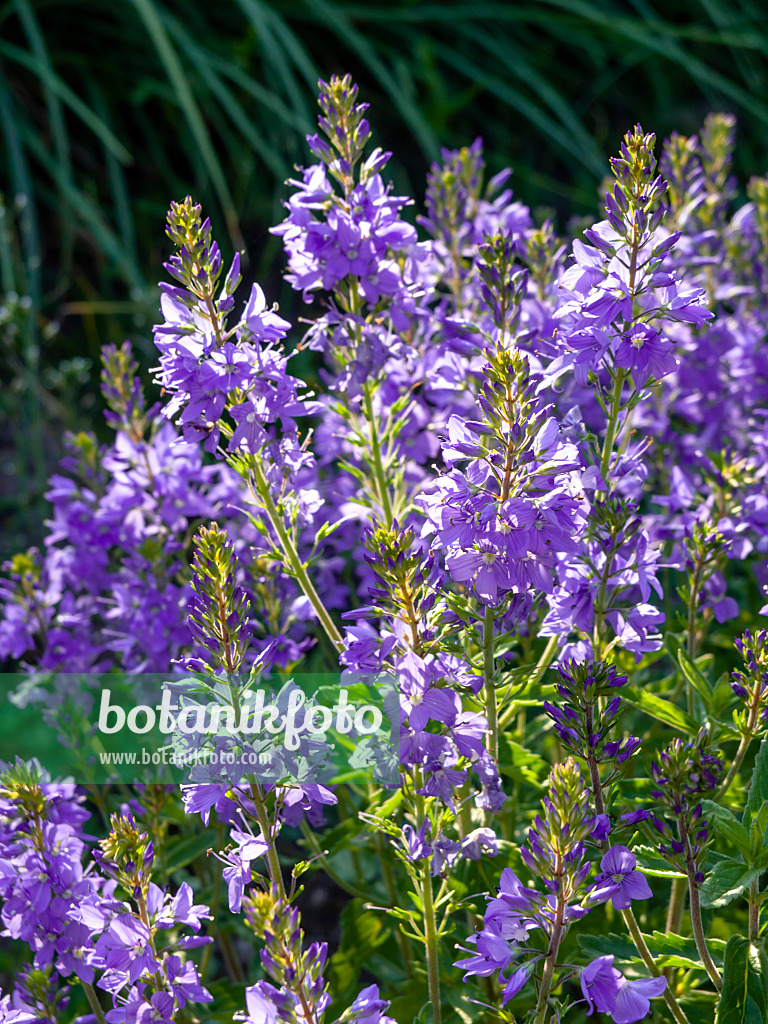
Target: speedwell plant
column 522, row 476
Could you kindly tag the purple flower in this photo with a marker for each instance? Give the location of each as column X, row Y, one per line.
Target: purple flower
column 416, row 844
column 607, row 991
column 619, row 867
column 368, row 1008
column 158, row 1009
column 125, row 948
column 261, row 1009
column 485, row 567
column 420, row 701
column 645, row 353
column 237, row 870
column 600, row 983
column 493, row 954
column 602, row 828
column 516, row 981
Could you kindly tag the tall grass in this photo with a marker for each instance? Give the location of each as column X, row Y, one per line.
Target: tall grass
column 108, row 110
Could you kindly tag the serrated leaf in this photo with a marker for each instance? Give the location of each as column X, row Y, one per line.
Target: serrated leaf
column 744, row 998
column 619, row 946
column 669, row 950
column 653, row 864
column 727, row 880
column 727, row 825
column 663, row 711
column 680, row 950
column 758, row 790
column 518, row 763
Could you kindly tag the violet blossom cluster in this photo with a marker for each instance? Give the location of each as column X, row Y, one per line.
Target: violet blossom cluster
column 557, row 855
column 72, row 918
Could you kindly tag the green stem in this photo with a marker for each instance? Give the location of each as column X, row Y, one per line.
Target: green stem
column 741, row 753
column 541, row 667
column 549, row 966
column 692, row 606
column 645, row 955
column 273, row 861
column 93, row 999
column 754, row 911
column 676, row 905
column 297, row 566
column 600, row 606
column 491, row 709
column 378, row 466
column 613, row 422
column 430, row 933
column 695, row 908
column 465, row 815
column 389, row 881
column 594, row 768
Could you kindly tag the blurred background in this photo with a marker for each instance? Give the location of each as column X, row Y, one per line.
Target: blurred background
column 110, row 110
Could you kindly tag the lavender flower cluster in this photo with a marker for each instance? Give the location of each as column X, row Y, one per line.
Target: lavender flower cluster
column 531, row 489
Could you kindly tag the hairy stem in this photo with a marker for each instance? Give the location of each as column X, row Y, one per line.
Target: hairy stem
column 430, row 932
column 612, row 425
column 273, row 861
column 550, row 963
column 93, row 999
column 646, row 956
column 594, row 768
column 676, row 905
column 695, row 907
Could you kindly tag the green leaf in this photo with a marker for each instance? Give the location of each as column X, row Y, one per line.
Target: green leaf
column 744, row 998
column 340, row 837
column 653, row 864
column 694, row 676
column 663, row 710
column 758, row 790
column 727, row 880
column 518, row 763
column 362, row 931
column 728, row 826
column 152, row 16
column 426, row 1014
column 185, row 849
column 680, row 951
column 669, row 950
column 464, row 1005
column 619, row 946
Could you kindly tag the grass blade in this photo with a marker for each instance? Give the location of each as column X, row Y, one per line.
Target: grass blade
column 184, row 96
